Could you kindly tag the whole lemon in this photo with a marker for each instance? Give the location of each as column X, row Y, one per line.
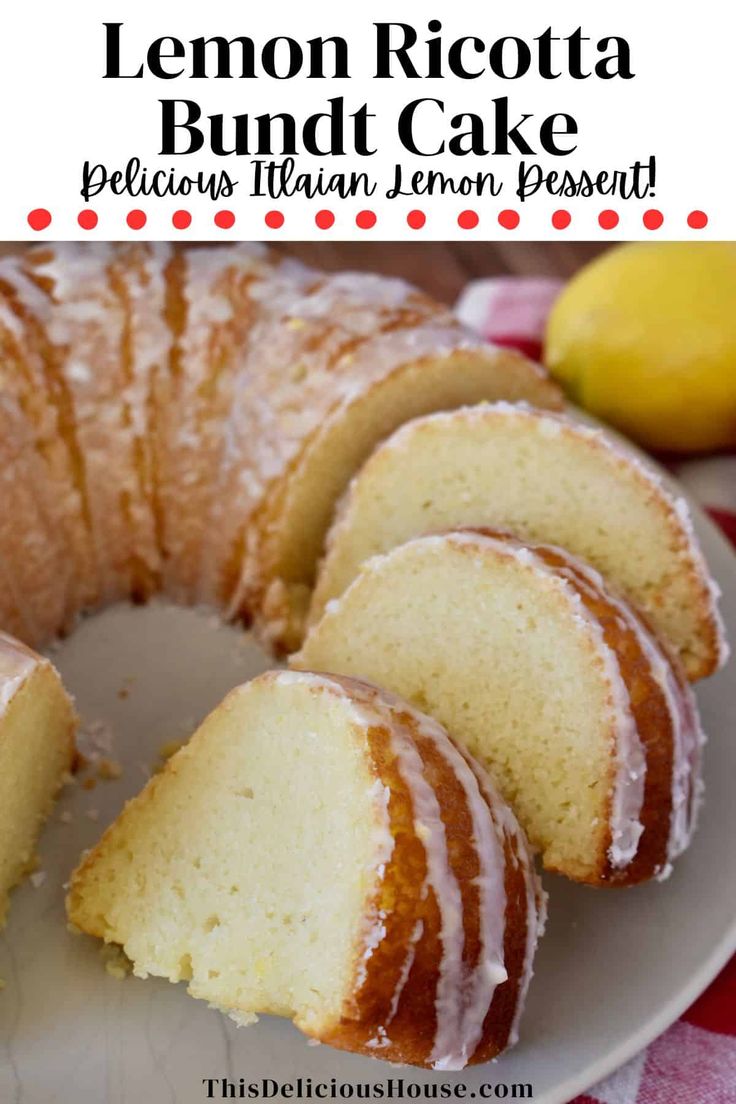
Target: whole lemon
column 645, row 338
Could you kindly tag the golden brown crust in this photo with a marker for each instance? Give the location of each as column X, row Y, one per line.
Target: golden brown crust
column 404, row 1030
column 710, row 653
column 650, row 710
column 59, row 443
column 131, row 276
column 327, row 342
column 654, row 724
column 277, row 571
column 194, row 423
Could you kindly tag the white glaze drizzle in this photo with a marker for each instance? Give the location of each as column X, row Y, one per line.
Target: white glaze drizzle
column 406, row 966
column 506, row 825
column 627, row 800
column 490, row 970
column 17, row 664
column 550, row 423
column 430, row 828
column 687, row 735
column 629, row 758
column 464, row 997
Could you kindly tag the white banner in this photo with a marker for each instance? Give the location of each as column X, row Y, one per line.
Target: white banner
column 395, row 120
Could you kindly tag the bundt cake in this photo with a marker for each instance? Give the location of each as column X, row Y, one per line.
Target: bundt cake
column 33, row 387
column 544, row 675
column 37, row 723
column 182, row 421
column 76, row 303
column 546, row 478
column 322, row 851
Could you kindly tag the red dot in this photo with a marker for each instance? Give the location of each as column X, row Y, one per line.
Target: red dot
column 365, row 220
column 697, row 220
column 468, row 220
column 561, row 220
column 652, row 219
column 39, row 218
column 416, row 219
column 136, row 220
column 508, row 219
column 87, row 219
column 608, row 220
column 324, row 219
column 181, row 220
column 225, row 220
column 274, row 220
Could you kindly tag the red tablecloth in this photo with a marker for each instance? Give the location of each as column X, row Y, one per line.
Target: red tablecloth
column 694, row 1062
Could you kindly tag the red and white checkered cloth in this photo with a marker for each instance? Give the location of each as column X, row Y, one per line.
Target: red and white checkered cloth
column 694, row 1061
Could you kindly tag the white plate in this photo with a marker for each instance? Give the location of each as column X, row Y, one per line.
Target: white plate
column 614, row 969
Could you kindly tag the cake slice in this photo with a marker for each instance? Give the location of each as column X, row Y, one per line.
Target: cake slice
column 306, row 328
column 549, row 679
column 37, row 723
column 542, row 477
column 283, row 379
column 321, row 851
column 365, row 355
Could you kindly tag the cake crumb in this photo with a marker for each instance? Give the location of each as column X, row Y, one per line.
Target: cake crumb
column 240, row 1018
column 92, row 814
column 127, row 686
column 89, row 783
column 117, row 963
column 65, row 817
column 94, row 740
column 37, row 878
column 109, row 769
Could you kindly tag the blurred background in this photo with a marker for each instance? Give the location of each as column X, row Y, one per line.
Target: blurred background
column 444, row 268
column 641, row 335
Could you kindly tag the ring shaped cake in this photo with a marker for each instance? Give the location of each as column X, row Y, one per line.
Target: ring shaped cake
column 183, row 423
